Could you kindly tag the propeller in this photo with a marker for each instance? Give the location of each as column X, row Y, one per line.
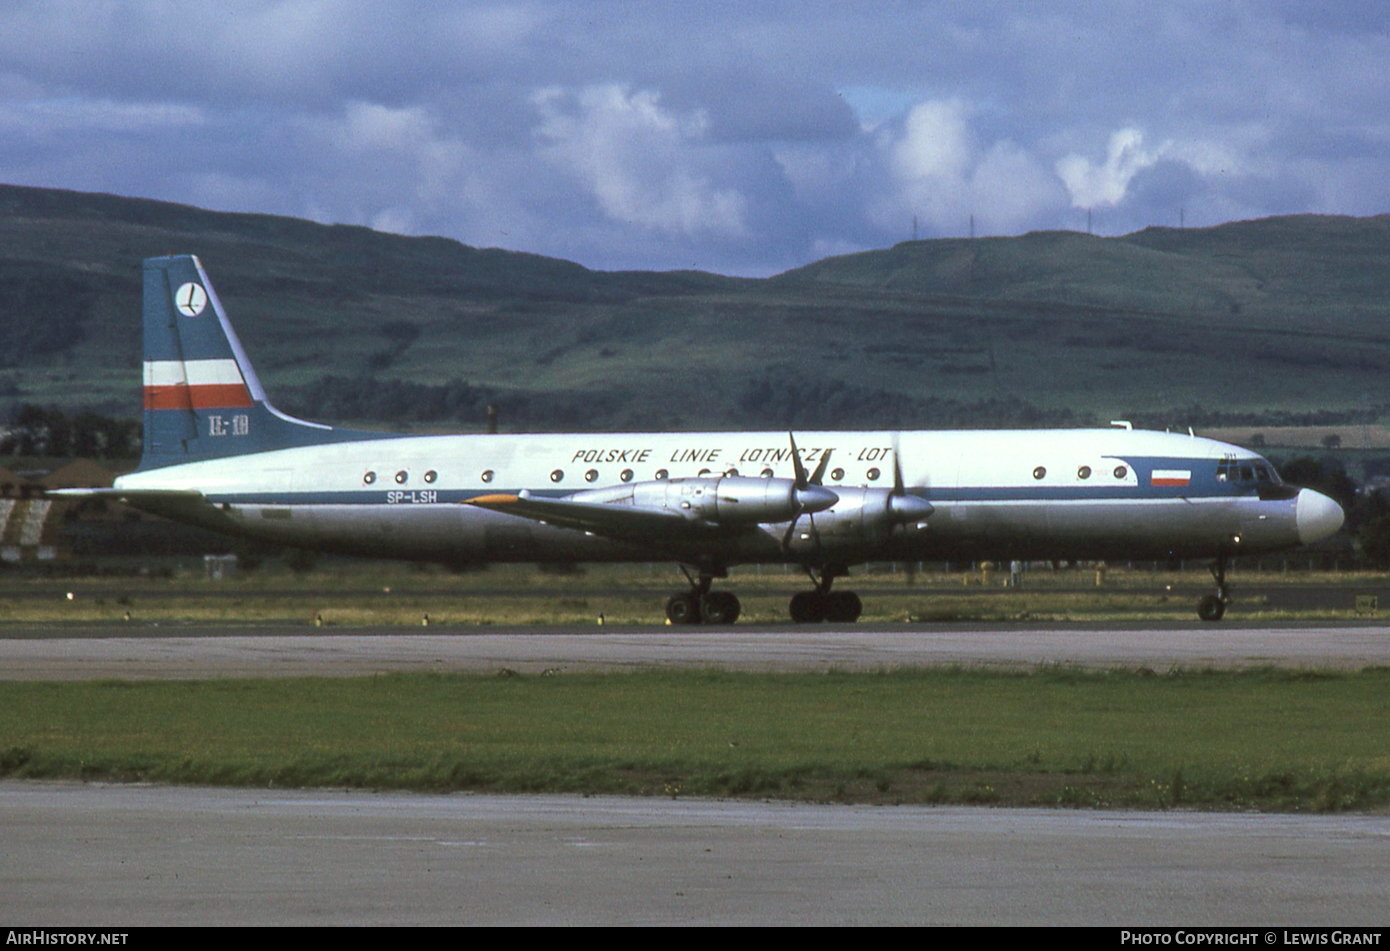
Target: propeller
column 901, row 506
column 808, row 495
column 904, row 508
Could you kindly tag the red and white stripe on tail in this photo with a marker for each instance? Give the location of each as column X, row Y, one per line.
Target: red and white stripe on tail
column 195, row 384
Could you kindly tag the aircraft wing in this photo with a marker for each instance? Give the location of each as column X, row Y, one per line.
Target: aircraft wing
column 629, row 523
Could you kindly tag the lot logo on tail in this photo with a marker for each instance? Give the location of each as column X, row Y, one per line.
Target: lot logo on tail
column 191, row 299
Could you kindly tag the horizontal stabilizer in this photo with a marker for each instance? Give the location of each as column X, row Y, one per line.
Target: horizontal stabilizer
column 188, row 505
column 133, row 496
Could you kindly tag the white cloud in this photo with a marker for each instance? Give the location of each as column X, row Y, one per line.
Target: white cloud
column 1013, row 191
column 934, row 146
column 368, row 125
column 642, row 163
column 1104, row 185
column 402, row 169
column 945, row 181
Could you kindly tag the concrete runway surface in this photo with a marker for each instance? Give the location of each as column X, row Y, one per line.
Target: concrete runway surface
column 196, row 651
column 114, row 856
column 101, row 855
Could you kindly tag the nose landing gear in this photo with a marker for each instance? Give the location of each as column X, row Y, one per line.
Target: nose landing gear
column 1212, row 607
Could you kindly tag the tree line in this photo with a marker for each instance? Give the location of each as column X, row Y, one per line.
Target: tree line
column 48, row 431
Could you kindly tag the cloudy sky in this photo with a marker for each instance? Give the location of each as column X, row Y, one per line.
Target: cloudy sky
column 743, row 137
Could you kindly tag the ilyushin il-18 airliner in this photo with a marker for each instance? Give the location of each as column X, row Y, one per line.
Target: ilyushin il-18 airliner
column 217, row 454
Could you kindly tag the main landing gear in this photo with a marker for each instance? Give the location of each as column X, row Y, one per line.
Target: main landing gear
column 822, row 604
column 700, row 605
column 1212, row 607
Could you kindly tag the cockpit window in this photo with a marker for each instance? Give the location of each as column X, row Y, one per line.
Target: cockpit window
column 1246, row 472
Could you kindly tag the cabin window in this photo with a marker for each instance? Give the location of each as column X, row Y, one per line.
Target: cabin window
column 591, row 475
column 732, row 472
column 873, row 475
column 766, row 473
column 556, row 475
column 1039, row 472
column 1121, row 472
column 431, row 476
column 626, row 475
column 704, row 472
column 368, row 478
column 662, row 474
column 1084, row 472
column 487, row 475
column 401, row 477
column 837, row 474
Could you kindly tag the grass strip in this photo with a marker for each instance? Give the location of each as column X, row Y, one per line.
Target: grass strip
column 1259, row 738
column 349, row 594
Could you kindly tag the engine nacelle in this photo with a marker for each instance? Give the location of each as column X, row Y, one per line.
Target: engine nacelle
column 862, row 516
column 733, row 500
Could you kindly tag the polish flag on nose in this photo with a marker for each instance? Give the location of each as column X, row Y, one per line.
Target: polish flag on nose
column 1170, row 477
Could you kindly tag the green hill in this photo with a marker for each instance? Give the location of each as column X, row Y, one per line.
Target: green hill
column 1268, row 321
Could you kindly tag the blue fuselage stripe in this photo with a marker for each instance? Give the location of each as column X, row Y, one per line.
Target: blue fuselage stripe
column 1010, row 494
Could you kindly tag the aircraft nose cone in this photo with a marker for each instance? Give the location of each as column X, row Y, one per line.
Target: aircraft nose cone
column 1316, row 516
column 815, row 498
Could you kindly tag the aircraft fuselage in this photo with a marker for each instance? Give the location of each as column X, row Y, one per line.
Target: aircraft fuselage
column 1061, row 494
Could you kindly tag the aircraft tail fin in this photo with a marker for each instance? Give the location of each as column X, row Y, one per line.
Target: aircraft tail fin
column 203, row 399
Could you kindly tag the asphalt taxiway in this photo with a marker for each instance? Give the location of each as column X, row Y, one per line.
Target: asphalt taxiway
column 100, row 855
column 118, row 855
column 199, row 651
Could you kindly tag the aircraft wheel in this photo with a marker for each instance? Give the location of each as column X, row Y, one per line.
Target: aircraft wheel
column 1211, row 608
column 843, row 607
column 683, row 609
column 808, row 607
column 720, row 607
